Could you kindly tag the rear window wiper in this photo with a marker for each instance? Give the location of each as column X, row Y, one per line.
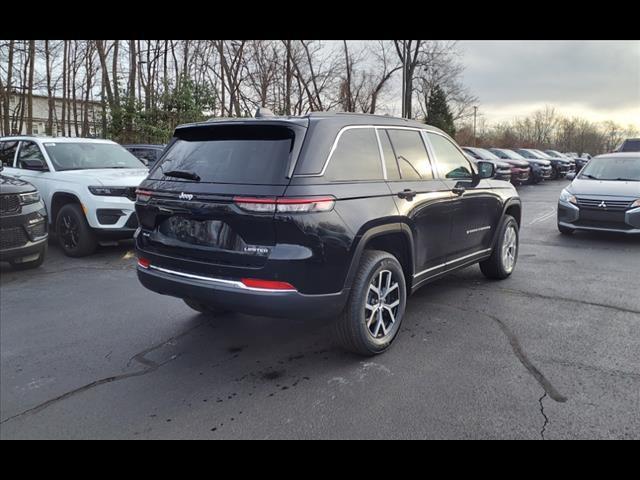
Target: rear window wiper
column 182, row 174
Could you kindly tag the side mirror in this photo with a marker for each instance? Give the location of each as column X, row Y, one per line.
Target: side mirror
column 486, row 169
column 36, row 164
column 570, row 176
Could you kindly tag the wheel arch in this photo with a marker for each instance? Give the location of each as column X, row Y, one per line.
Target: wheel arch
column 59, row 200
column 394, row 238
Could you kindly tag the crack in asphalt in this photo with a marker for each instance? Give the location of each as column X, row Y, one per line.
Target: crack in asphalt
column 548, row 297
column 519, row 353
column 150, row 366
column 546, row 419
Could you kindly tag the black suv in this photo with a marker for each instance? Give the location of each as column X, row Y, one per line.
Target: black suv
column 23, row 223
column 329, row 214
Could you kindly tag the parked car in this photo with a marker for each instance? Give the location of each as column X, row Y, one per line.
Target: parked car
column 559, row 167
column 321, row 216
column 88, row 186
column 540, row 169
column 502, row 170
column 605, row 195
column 147, row 153
column 629, row 145
column 569, row 161
column 577, row 162
column 580, row 161
column 23, row 223
column 519, row 169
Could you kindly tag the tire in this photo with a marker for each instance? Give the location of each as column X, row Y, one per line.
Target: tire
column 33, row 263
column 500, row 265
column 352, row 329
column 208, row 310
column 565, row 230
column 555, row 174
column 75, row 236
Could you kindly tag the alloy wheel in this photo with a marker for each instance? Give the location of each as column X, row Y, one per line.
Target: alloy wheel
column 382, row 304
column 509, row 248
column 68, row 231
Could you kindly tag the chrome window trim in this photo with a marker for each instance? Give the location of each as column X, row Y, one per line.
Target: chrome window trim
column 351, row 127
column 222, row 281
column 456, row 260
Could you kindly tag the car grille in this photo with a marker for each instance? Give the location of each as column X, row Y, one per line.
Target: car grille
column 12, row 237
column 604, row 205
column 9, row 203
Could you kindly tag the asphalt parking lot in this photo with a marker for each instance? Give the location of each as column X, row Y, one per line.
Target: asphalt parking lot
column 552, row 352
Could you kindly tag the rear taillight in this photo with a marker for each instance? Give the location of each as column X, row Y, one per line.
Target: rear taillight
column 143, row 262
column 285, row 204
column 143, row 195
column 267, row 284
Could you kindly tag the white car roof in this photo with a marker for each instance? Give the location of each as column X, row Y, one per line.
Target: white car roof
column 43, row 139
column 619, row 155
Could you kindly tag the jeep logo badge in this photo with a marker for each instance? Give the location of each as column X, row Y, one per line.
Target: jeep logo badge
column 185, row 196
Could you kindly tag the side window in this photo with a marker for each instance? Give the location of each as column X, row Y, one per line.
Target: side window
column 389, row 157
column 411, row 154
column 356, row 157
column 8, row 152
column 451, row 163
column 29, row 151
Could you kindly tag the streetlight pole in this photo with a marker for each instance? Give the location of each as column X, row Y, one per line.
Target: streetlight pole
column 475, row 138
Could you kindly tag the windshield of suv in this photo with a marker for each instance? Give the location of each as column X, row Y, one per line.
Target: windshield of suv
column 554, row 154
column 81, row 156
column 256, row 155
column 622, row 169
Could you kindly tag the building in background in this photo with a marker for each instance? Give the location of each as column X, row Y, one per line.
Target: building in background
column 74, row 124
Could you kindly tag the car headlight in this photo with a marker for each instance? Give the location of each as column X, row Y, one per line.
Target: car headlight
column 109, row 191
column 566, row 196
column 28, row 198
column 636, row 203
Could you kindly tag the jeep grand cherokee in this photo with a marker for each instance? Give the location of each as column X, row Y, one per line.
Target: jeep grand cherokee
column 324, row 215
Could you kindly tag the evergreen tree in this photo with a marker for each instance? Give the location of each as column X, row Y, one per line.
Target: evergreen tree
column 438, row 113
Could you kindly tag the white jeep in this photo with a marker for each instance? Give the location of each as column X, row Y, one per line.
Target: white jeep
column 88, row 186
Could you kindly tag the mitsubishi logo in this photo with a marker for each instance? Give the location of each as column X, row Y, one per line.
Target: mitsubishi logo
column 185, row 196
column 602, row 204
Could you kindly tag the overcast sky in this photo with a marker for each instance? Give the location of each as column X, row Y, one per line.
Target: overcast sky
column 598, row 80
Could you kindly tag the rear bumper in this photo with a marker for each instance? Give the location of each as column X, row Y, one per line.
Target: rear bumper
column 569, row 217
column 233, row 295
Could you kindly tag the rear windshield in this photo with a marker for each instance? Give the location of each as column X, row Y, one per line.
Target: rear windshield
column 246, row 154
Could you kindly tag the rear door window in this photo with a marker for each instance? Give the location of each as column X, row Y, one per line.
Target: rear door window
column 411, row 154
column 356, row 157
column 247, row 154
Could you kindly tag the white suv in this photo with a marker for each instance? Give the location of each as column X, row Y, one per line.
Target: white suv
column 88, row 186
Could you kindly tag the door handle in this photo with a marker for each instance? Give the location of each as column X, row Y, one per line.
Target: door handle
column 458, row 190
column 407, row 194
